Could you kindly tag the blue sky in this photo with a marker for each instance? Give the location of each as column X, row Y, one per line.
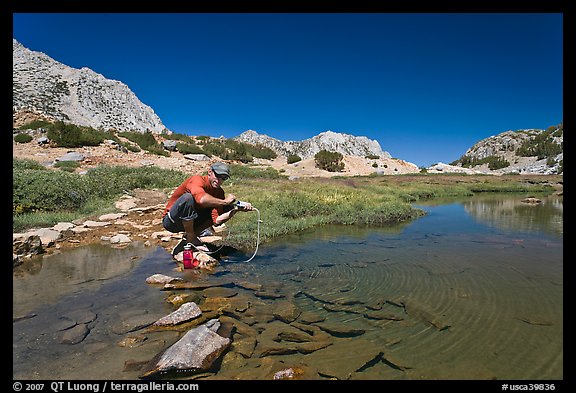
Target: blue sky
column 426, row 86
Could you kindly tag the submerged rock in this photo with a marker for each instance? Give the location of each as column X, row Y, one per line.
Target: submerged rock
column 287, row 373
column 75, row 334
column 185, row 312
column 161, row 279
column 195, row 352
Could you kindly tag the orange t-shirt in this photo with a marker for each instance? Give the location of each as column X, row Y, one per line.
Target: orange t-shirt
column 198, row 186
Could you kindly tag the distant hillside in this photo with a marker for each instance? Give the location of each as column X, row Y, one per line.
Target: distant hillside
column 332, row 141
column 521, row 151
column 43, row 88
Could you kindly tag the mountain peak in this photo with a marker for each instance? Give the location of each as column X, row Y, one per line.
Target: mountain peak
column 327, row 140
column 83, row 97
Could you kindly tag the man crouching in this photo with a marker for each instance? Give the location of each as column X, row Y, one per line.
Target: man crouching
column 199, row 203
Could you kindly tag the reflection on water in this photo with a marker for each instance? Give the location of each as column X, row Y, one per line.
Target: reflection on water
column 46, row 280
column 511, row 214
column 472, row 290
column 515, row 215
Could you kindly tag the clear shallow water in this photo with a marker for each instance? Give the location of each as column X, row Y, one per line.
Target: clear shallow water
column 472, row 290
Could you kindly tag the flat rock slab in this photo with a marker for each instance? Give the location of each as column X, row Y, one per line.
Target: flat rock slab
column 75, row 334
column 132, row 323
column 185, row 312
column 162, row 279
column 81, row 316
column 195, row 352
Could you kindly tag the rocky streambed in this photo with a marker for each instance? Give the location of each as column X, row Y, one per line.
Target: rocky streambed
column 243, row 330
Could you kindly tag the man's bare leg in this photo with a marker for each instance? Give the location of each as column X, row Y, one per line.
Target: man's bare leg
column 191, row 235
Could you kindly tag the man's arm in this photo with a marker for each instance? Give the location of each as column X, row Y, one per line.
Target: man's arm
column 208, row 200
column 222, row 218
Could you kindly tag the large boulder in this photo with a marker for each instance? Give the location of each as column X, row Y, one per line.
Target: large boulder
column 195, row 352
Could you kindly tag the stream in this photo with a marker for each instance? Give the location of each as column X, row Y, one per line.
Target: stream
column 471, row 290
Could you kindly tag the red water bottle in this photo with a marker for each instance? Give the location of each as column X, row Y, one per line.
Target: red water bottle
column 188, row 257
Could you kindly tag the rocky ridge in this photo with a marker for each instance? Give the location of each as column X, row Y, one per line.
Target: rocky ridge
column 46, row 89
column 507, row 145
column 329, row 140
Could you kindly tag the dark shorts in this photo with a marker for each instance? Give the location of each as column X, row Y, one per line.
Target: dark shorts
column 184, row 209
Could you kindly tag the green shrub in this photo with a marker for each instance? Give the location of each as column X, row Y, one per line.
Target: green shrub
column 68, row 166
column 540, row 148
column 180, row 137
column 45, row 190
column 214, row 148
column 329, row 161
column 292, row 158
column 260, row 151
column 70, row 135
column 189, row 148
column 494, row 162
column 143, row 139
column 42, row 190
column 36, row 124
column 64, row 135
column 543, row 145
column 23, row 138
column 109, row 181
column 19, row 164
column 237, row 151
column 497, row 163
column 158, row 150
column 130, row 147
column 109, row 134
column 229, row 149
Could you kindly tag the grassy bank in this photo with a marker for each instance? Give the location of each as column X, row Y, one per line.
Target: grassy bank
column 42, row 197
column 288, row 206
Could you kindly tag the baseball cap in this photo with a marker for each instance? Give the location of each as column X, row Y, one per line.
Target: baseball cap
column 221, row 168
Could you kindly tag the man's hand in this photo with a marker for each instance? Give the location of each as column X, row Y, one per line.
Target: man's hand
column 230, row 199
column 246, row 206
